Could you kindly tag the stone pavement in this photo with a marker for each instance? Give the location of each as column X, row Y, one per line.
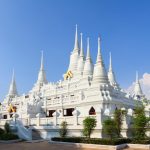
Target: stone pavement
column 40, row 146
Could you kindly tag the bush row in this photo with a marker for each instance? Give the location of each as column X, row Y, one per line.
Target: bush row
column 137, row 141
column 6, row 134
column 92, row 140
column 116, row 141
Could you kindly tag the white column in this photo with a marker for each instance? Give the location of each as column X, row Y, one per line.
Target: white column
column 8, row 115
column 55, row 118
column 124, row 126
column 38, row 119
column 99, row 121
column 129, row 119
column 99, row 118
column 75, row 114
column 124, row 123
column 29, row 119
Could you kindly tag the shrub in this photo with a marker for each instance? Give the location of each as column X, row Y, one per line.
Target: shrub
column 63, row 129
column 8, row 136
column 7, row 128
column 88, row 125
column 118, row 116
column 92, row 140
column 140, row 122
column 1, row 131
column 109, row 127
column 137, row 141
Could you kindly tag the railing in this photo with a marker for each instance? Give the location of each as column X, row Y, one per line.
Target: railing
column 24, row 121
column 51, row 121
column 33, row 121
column 68, row 119
column 70, row 99
column 3, row 121
column 80, row 120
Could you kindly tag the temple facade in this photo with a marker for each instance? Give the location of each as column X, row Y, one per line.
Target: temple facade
column 87, row 89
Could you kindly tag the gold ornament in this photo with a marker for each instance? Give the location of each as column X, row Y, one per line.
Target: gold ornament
column 11, row 108
column 68, row 75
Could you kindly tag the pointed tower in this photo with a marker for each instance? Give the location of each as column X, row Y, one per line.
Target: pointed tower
column 81, row 60
column 76, row 43
column 100, row 75
column 111, row 75
column 137, row 88
column 88, row 67
column 13, row 89
column 75, row 54
column 42, row 76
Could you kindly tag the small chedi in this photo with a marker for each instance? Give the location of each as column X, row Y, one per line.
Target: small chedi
column 86, row 89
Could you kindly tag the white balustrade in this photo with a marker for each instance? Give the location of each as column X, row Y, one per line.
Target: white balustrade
column 69, row 120
column 33, row 121
column 24, row 121
column 80, row 120
column 43, row 121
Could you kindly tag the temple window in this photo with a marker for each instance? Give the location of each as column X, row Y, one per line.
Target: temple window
column 27, row 96
column 50, row 113
column 92, row 111
column 57, row 97
column 68, row 112
column 5, row 117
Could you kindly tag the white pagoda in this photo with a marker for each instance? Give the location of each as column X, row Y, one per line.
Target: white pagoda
column 87, row 89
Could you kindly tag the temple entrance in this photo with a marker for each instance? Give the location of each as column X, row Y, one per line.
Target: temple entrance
column 5, row 117
column 68, row 112
column 92, row 111
column 50, row 113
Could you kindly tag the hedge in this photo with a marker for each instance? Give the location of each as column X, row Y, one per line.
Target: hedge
column 92, row 140
column 8, row 136
column 137, row 141
column 1, row 131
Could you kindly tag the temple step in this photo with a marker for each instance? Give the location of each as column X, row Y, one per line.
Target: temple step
column 36, row 135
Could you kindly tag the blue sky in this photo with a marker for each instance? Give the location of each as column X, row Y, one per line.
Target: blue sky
column 29, row 26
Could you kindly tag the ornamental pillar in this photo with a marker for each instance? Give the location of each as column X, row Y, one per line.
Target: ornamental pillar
column 55, row 115
column 99, row 118
column 38, row 119
column 29, row 119
column 75, row 114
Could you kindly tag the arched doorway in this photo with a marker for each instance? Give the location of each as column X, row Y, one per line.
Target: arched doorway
column 92, row 111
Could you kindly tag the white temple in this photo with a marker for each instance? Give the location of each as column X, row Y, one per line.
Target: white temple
column 86, row 90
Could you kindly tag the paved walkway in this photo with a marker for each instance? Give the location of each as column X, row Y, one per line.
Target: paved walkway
column 39, row 146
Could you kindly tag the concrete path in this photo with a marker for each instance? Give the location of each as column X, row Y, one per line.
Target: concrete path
column 40, row 146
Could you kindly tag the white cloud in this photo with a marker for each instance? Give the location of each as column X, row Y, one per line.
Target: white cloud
column 145, row 84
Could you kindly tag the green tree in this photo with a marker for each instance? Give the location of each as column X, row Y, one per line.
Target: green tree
column 1, row 131
column 109, row 127
column 89, row 124
column 140, row 123
column 7, row 128
column 118, row 116
column 63, row 129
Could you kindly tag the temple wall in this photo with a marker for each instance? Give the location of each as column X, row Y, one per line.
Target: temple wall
column 49, row 127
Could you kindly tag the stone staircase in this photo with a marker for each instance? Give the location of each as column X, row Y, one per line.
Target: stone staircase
column 36, row 135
